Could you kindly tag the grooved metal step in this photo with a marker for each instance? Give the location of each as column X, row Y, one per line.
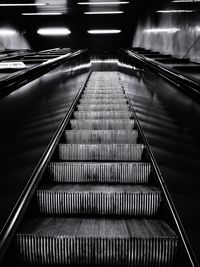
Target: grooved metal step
column 101, row 136
column 105, row 91
column 119, row 172
column 102, row 96
column 102, row 124
column 102, row 115
column 101, row 152
column 103, row 107
column 103, row 101
column 129, row 200
column 78, row 241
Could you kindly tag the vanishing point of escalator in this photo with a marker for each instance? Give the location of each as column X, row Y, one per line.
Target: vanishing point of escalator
column 99, row 207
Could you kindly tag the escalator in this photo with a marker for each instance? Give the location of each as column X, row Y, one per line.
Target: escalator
column 98, row 203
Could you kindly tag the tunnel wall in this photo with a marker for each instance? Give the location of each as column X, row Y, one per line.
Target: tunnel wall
column 183, row 43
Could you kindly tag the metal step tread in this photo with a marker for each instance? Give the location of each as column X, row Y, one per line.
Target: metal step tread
column 102, row 124
column 102, row 114
column 119, row 172
column 103, row 152
column 111, row 242
column 101, row 136
column 103, row 107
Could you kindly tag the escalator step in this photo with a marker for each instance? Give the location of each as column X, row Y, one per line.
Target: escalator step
column 105, row 91
column 101, row 136
column 101, row 152
column 103, row 107
column 102, row 124
column 109, row 242
column 103, row 101
column 75, row 172
column 102, row 115
column 73, row 199
column 102, row 96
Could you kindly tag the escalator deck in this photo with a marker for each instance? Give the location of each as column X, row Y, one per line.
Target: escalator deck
column 99, row 207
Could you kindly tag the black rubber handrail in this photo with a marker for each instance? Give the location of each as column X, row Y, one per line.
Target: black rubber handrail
column 12, row 83
column 173, row 211
column 22, row 204
column 189, row 86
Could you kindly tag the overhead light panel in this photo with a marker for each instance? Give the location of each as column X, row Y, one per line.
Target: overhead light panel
column 43, row 14
column 104, row 3
column 114, row 31
column 22, row 5
column 162, row 30
column 176, row 11
column 53, row 31
column 7, row 32
column 103, row 12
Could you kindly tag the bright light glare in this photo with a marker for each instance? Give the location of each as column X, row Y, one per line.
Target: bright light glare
column 164, row 30
column 104, row 31
column 42, row 14
column 7, row 32
column 11, row 5
column 176, row 11
column 103, row 3
column 53, row 31
column 104, row 61
column 103, row 12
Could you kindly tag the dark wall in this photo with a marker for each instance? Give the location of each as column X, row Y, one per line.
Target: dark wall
column 170, row 122
column 28, row 118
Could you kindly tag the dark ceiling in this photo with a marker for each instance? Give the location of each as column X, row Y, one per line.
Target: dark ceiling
column 73, row 17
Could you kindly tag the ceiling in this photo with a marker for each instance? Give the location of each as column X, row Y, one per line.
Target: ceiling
column 74, row 18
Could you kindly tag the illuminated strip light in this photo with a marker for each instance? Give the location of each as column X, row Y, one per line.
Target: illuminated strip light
column 103, row 3
column 107, row 61
column 104, row 31
column 103, row 12
column 164, row 30
column 7, row 32
column 176, row 11
column 42, row 14
column 53, row 31
column 23, row 5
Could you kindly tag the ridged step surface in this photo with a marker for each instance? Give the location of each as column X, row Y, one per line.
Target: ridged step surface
column 98, row 115
column 101, row 136
column 101, row 152
column 102, row 96
column 129, row 200
column 103, row 101
column 103, row 107
column 105, row 91
column 120, row 124
column 68, row 172
column 110, row 242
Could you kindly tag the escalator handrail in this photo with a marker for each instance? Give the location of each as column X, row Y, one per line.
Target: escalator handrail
column 189, row 86
column 174, row 213
column 10, row 227
column 13, row 82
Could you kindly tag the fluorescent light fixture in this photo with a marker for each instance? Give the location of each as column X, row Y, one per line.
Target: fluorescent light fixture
column 53, row 31
column 42, row 14
column 114, row 31
column 107, row 61
column 176, row 11
column 162, row 30
column 22, row 5
column 7, row 32
column 103, row 3
column 103, row 12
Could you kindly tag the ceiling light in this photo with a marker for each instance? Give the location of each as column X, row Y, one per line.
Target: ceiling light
column 160, row 30
column 7, row 32
column 53, row 31
column 103, row 12
column 176, row 11
column 18, row 5
column 42, row 14
column 104, row 31
column 103, row 3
